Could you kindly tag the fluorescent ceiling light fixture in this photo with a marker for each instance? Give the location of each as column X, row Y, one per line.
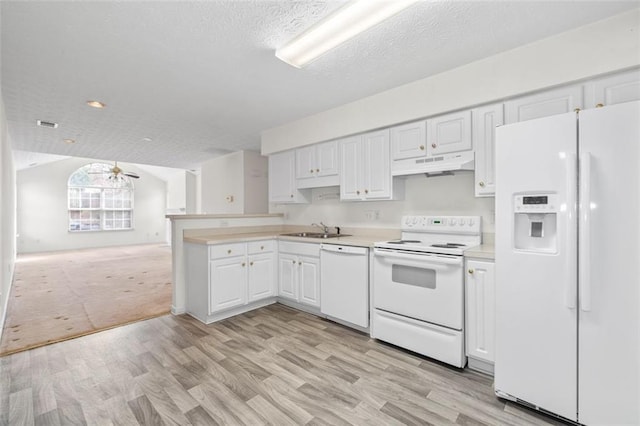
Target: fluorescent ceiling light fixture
column 69, row 141
column 345, row 23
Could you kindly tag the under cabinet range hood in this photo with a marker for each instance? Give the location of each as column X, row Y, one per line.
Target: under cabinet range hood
column 434, row 165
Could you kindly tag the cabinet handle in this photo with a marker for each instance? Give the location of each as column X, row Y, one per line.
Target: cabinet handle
column 261, row 247
column 250, row 263
column 243, row 264
column 366, row 191
column 291, row 195
column 599, row 105
column 317, row 170
column 421, row 147
column 470, row 271
column 481, row 184
column 433, row 145
column 299, row 263
column 310, row 170
column 358, row 192
column 228, row 251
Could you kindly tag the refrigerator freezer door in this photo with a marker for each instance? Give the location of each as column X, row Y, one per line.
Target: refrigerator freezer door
column 536, row 323
column 609, row 328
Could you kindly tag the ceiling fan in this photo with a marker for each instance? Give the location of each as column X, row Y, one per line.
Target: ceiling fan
column 116, row 173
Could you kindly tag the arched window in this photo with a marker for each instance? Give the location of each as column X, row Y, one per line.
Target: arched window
column 99, row 200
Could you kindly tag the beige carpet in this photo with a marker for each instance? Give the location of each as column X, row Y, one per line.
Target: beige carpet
column 61, row 295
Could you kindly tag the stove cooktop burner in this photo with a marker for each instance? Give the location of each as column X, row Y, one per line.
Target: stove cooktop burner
column 405, row 242
column 448, row 245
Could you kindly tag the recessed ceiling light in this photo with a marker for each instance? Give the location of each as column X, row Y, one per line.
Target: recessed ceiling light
column 96, row 104
column 147, row 139
column 49, row 124
column 69, row 141
column 33, row 164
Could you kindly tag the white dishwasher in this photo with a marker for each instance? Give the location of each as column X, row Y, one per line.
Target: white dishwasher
column 344, row 283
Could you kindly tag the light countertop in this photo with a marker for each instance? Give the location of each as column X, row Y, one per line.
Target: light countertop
column 353, row 240
column 483, row 251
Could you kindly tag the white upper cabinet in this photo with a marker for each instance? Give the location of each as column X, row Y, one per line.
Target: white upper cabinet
column 317, row 165
column 365, row 168
column 485, row 119
column 409, row 140
column 551, row 102
column 377, row 165
column 613, row 89
column 282, row 182
column 305, row 162
column 449, row 133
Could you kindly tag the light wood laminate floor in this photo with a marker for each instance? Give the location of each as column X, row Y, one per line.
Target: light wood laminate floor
column 274, row 365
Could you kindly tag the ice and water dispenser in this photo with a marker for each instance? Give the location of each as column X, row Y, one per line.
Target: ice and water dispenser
column 535, row 222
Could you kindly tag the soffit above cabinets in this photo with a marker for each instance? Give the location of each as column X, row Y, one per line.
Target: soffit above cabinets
column 186, row 81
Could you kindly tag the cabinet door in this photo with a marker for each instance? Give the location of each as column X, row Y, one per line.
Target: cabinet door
column 228, row 283
column 613, row 90
column 260, row 276
column 480, row 315
column 543, row 104
column 377, row 165
column 309, row 282
column 306, row 162
column 350, row 168
column 288, row 276
column 449, row 133
column 282, row 182
column 485, row 120
column 327, row 159
column 409, row 140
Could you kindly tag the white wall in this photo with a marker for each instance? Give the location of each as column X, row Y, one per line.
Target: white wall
column 235, row 183
column 256, row 184
column 443, row 195
column 7, row 217
column 42, row 216
column 223, row 177
column 602, row 47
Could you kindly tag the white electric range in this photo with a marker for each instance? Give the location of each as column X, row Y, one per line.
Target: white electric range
column 418, row 286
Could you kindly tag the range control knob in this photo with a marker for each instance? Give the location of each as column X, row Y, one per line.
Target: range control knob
column 462, row 221
column 471, row 222
column 452, row 221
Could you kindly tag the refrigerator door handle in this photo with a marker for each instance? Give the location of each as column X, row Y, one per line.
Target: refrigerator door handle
column 585, row 232
column 571, row 288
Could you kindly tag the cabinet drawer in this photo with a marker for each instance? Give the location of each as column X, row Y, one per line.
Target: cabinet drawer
column 300, row 249
column 257, row 247
column 220, row 251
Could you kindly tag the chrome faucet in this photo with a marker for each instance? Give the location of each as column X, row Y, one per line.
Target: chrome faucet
column 325, row 228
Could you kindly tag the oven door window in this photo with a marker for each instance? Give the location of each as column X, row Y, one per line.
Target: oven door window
column 411, row 275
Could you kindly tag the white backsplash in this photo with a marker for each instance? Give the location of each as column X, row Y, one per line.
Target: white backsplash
column 443, row 195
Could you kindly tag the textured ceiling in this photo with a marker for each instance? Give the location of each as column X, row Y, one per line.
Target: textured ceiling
column 200, row 78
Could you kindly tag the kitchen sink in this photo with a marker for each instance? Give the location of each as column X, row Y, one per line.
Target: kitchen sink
column 314, row 235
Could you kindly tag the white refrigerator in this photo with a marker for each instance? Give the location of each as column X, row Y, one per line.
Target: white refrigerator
column 567, row 264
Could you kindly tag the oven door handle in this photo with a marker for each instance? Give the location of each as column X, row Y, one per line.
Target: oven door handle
column 418, row 259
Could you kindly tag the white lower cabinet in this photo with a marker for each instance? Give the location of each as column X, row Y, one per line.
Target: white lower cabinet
column 480, row 314
column 299, row 272
column 228, row 283
column 227, row 279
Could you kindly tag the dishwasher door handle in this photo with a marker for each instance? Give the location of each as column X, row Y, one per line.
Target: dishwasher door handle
column 332, row 248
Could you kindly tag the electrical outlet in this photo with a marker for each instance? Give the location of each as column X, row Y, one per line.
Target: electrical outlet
column 372, row 214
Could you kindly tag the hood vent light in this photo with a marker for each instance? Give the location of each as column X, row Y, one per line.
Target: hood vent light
column 48, row 124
